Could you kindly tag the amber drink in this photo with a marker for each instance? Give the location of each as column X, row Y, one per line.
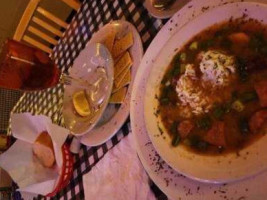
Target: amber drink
column 23, row 67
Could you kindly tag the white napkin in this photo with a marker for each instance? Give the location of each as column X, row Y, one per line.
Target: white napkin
column 19, row 161
column 118, row 176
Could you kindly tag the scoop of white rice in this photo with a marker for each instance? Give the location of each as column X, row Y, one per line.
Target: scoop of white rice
column 217, row 68
column 190, row 93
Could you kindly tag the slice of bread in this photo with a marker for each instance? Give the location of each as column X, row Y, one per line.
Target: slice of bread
column 44, row 150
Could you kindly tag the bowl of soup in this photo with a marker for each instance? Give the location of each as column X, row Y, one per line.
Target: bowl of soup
column 206, row 96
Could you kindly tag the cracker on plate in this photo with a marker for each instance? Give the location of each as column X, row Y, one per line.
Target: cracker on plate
column 125, row 62
column 109, row 40
column 119, row 79
column 118, row 97
column 122, row 45
column 125, row 81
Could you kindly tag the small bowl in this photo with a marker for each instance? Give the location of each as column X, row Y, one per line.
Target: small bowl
column 94, row 59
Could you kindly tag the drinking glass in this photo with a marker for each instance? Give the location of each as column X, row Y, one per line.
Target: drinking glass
column 26, row 68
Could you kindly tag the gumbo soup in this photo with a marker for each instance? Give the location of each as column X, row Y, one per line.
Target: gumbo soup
column 213, row 96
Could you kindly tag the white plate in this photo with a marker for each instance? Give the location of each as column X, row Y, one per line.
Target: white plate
column 172, row 183
column 111, row 125
column 163, row 14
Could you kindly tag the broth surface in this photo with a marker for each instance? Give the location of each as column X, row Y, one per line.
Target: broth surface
column 213, row 95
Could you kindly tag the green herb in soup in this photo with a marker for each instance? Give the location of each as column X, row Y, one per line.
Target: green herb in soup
column 213, row 97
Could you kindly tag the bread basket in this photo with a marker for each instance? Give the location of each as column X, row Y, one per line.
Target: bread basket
column 66, row 170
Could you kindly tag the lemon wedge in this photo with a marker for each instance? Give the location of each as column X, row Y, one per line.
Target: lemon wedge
column 81, row 104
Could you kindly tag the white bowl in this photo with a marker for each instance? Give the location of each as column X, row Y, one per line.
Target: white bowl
column 215, row 169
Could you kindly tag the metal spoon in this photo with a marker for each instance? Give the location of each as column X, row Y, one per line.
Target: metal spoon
column 162, row 4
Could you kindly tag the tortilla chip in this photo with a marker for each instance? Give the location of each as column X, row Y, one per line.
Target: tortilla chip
column 119, row 96
column 122, row 45
column 125, row 81
column 125, row 62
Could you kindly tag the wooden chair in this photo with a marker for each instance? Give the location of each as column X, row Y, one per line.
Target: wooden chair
column 29, row 20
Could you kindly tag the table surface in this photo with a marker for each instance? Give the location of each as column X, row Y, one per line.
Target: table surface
column 92, row 15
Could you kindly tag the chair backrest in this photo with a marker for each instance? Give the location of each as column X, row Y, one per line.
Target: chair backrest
column 29, row 15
